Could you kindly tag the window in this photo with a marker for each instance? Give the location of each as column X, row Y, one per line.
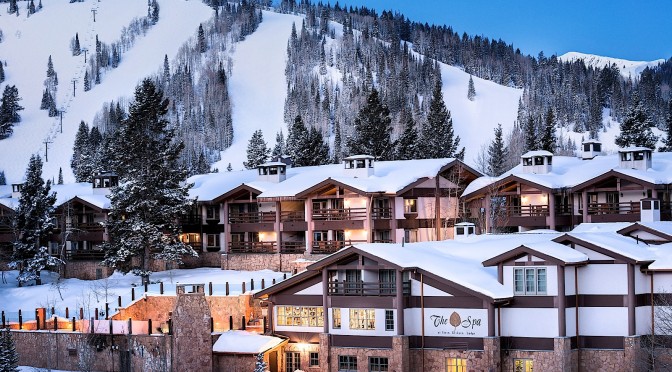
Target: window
column 347, row 363
column 388, row 281
column 212, row 240
column 586, row 147
column 410, row 205
column 363, row 319
column 456, row 365
column 353, row 280
column 389, row 320
column 597, row 147
column 292, row 361
column 639, row 155
column 626, row 156
column 300, row 316
column 538, row 160
column 529, row 281
column 361, row 163
column 522, row 365
column 527, row 161
column 212, row 212
column 411, row 235
column 377, row 364
column 336, row 318
column 314, row 359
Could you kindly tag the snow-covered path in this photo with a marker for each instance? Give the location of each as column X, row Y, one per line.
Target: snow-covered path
column 258, row 86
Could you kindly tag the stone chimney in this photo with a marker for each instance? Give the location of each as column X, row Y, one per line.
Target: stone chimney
column 650, row 210
column 635, row 158
column 359, row 166
column 590, row 149
column 192, row 338
column 537, row 162
column 275, row 172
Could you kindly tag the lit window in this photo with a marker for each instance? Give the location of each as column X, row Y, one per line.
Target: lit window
column 336, row 318
column 292, row 361
column 363, row 319
column 378, row 364
column 212, row 240
column 522, row 365
column 456, row 365
column 529, row 281
column 347, row 363
column 410, row 206
column 300, row 316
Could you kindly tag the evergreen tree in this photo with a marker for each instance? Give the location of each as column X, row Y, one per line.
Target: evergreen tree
column 76, row 49
column 497, row 154
column 3, row 180
column 50, row 67
column 9, row 358
column 408, row 143
column 471, row 92
column 46, row 100
column 31, row 7
column 317, row 148
column 438, row 136
column 548, row 139
column 60, row 176
column 9, row 110
column 530, row 134
column 279, row 148
column 667, row 141
column 166, row 69
column 202, row 165
column 39, row 5
column 229, row 168
column 13, row 7
column 372, row 130
column 260, row 364
column 257, row 150
column 147, row 204
column 2, row 72
column 636, row 128
column 202, row 45
column 80, row 152
column 33, row 224
column 87, row 81
column 338, row 143
column 296, row 139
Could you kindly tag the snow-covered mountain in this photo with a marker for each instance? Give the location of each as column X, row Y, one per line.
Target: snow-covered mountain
column 627, row 68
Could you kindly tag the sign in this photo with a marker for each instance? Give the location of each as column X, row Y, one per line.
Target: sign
column 454, row 322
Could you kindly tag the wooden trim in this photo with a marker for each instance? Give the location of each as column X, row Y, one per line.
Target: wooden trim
column 608, row 174
column 573, row 239
column 328, row 182
column 600, row 342
column 445, row 302
column 452, row 343
column 596, row 300
column 636, row 226
column 301, row 337
column 523, row 250
column 378, row 342
column 527, row 343
column 297, row 300
column 230, row 193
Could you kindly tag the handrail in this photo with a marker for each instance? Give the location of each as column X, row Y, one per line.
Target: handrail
column 381, row 213
column 359, row 288
column 252, row 247
column 251, row 217
column 292, row 216
column 614, row 208
column 292, row 247
column 339, row 214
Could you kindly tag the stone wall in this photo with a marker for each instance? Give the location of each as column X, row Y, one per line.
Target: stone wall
column 561, row 358
column 192, row 339
column 275, row 262
column 86, row 270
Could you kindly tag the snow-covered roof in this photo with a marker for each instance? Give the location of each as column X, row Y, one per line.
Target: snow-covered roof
column 536, row 153
column 355, row 157
column 618, row 244
column 273, row 164
column 634, row 149
column 390, row 177
column 664, row 227
column 243, row 342
column 663, row 255
column 604, row 227
column 571, row 171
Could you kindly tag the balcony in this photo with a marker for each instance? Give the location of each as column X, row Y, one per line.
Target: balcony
column 84, row 226
column 526, row 210
column 381, row 213
column 252, row 217
column 84, row 255
column 190, row 219
column 331, row 246
column 251, row 247
column 614, row 212
column 292, row 247
column 339, row 214
column 292, row 216
column 366, row 288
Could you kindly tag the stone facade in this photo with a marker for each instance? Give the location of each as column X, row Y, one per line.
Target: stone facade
column 86, row 270
column 561, row 358
column 192, row 340
column 276, row 261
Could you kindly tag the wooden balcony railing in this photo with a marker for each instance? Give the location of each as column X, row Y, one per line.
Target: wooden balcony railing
column 84, row 255
column 331, row 246
column 525, row 210
column 381, row 213
column 251, row 217
column 292, row 216
column 614, row 208
column 292, row 247
column 191, row 219
column 252, row 247
column 84, row 226
column 346, row 288
column 339, row 214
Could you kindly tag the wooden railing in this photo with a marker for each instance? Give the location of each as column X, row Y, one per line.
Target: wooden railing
column 381, row 213
column 614, row 208
column 346, row 288
column 331, row 246
column 292, row 247
column 339, row 214
column 252, row 247
column 292, row 216
column 251, row 217
column 84, row 255
column 190, row 219
column 85, row 226
column 525, row 210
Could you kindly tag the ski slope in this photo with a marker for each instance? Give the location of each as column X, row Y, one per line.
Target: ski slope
column 627, row 68
column 27, row 44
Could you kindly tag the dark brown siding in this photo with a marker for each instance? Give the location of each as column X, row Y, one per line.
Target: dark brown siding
column 456, row 343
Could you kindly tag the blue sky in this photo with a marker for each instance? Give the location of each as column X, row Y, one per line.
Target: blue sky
column 634, row 30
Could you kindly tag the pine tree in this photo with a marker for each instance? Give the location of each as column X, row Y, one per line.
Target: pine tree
column 9, row 358
column 147, row 204
column 257, row 150
column 2, row 72
column 548, row 139
column 60, row 176
column 372, row 130
column 408, row 143
column 260, row 364
column 76, row 49
column 202, row 45
column 530, row 134
column 202, row 165
column 636, row 128
column 438, row 136
column 497, row 154
column 317, row 148
column 31, row 7
column 279, row 148
column 667, row 141
column 338, row 143
column 13, row 7
column 9, row 110
column 471, row 92
column 87, row 81
column 3, row 180
column 50, row 67
column 166, row 70
column 229, row 168
column 79, row 153
column 33, row 223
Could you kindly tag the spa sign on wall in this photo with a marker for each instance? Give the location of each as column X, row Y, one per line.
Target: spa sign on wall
column 456, row 322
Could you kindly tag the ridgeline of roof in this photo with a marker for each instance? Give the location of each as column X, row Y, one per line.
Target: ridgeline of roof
column 389, row 177
column 568, row 172
column 65, row 193
column 618, row 244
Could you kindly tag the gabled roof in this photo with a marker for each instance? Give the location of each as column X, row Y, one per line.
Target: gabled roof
column 613, row 245
column 99, row 203
column 550, row 251
column 662, row 229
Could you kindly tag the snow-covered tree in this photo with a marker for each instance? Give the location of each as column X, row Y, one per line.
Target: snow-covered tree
column 471, row 91
column 87, row 81
column 202, row 44
column 81, row 162
column 438, row 136
column 33, row 224
column 150, row 198
column 2, row 70
column 9, row 110
column 60, row 176
column 257, row 150
column 260, row 364
column 667, row 141
column 3, row 180
column 9, row 358
column 372, row 130
column 636, row 128
column 408, row 146
column 530, row 135
column 75, row 46
column 548, row 140
column 497, row 154
column 279, row 148
column 13, row 7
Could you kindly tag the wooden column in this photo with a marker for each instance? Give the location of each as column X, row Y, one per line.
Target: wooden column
column 437, row 209
column 227, row 227
column 278, row 224
column 325, row 298
column 562, row 305
column 309, row 225
column 584, row 203
column 631, row 300
column 400, row 302
column 551, row 211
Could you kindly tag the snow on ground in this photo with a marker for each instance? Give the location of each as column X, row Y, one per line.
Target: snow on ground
column 627, row 68
column 28, row 42
column 90, row 294
column 258, row 86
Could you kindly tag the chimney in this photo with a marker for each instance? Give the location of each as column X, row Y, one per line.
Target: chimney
column 16, row 190
column 275, row 172
column 591, row 149
column 464, row 230
column 650, row 210
column 537, row 162
column 103, row 181
column 359, row 166
column 635, row 158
